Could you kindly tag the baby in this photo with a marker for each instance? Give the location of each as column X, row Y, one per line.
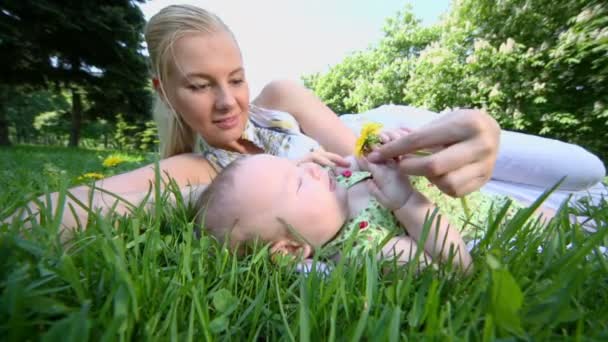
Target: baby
column 303, row 208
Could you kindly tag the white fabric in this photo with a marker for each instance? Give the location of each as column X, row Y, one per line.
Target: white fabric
column 527, row 165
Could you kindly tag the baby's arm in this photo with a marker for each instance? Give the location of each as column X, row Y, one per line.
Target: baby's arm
column 403, row 249
column 411, row 209
column 443, row 238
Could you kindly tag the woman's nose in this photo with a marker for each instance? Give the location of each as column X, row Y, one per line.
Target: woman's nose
column 224, row 98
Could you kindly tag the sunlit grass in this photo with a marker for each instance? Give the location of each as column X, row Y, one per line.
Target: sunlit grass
column 35, row 169
column 146, row 277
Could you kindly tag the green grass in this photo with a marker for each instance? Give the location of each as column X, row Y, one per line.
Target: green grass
column 146, row 277
column 30, row 170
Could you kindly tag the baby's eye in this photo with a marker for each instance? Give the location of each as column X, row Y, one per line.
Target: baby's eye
column 299, row 184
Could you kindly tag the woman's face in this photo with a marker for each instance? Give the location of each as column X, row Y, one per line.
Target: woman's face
column 206, row 85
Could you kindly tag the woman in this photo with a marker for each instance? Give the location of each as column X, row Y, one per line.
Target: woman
column 203, row 103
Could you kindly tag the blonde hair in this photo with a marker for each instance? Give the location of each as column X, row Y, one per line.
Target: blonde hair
column 161, row 32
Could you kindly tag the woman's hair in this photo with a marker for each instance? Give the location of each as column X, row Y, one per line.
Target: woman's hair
column 161, row 32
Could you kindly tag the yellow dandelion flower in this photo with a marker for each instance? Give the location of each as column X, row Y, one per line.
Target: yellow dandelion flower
column 367, row 138
column 91, row 175
column 113, row 160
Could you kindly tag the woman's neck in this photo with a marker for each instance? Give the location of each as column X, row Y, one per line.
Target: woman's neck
column 242, row 146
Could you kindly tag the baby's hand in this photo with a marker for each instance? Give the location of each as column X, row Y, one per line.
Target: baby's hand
column 324, row 158
column 387, row 185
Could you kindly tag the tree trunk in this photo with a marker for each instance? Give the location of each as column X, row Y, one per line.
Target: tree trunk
column 4, row 140
column 76, row 118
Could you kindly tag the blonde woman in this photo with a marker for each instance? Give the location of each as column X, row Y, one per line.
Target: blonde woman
column 206, row 119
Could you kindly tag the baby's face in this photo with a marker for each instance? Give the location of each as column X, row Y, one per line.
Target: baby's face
column 305, row 196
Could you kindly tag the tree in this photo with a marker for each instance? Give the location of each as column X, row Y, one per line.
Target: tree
column 24, row 105
column 537, row 66
column 543, row 64
column 378, row 75
column 81, row 45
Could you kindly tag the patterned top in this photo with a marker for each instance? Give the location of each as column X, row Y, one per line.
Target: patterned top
column 275, row 132
column 370, row 229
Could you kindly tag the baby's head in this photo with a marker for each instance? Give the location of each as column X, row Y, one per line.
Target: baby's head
column 295, row 208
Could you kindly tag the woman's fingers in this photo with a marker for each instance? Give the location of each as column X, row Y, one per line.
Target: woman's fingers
column 424, row 138
column 462, row 181
column 439, row 163
column 393, row 134
column 463, row 139
column 456, row 170
column 454, row 127
column 384, row 137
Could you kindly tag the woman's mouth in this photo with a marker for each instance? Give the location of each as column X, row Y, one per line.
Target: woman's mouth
column 227, row 123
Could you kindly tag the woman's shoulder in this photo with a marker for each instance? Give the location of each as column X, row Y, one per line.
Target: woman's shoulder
column 279, row 95
column 273, row 118
column 287, row 96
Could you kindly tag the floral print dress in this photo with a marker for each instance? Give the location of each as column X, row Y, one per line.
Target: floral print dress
column 370, row 229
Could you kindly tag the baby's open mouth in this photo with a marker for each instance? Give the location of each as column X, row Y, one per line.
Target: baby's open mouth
column 332, row 179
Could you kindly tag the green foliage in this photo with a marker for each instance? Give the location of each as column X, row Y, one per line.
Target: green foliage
column 148, row 138
column 124, row 134
column 145, row 277
column 29, row 170
column 93, row 47
column 537, row 66
column 133, row 137
column 24, row 106
column 97, row 133
column 49, row 125
column 43, row 117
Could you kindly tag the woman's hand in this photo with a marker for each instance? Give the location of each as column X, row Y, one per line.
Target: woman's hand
column 324, row 158
column 465, row 144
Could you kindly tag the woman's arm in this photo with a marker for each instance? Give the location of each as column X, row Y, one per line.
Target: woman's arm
column 132, row 187
column 316, row 119
column 542, row 162
column 184, row 169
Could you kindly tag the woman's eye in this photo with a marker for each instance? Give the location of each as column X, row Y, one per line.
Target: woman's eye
column 198, row 87
column 237, row 81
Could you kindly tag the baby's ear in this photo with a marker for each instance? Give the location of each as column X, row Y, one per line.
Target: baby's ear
column 291, row 247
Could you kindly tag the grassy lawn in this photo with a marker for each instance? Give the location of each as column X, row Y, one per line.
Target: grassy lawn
column 145, row 277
